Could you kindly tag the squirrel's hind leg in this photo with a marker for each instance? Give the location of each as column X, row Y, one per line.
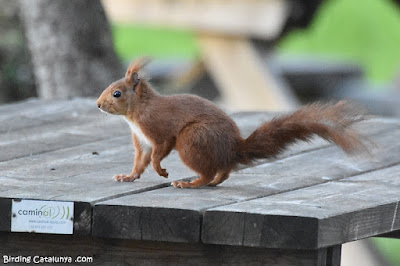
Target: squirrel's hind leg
column 202, row 181
column 220, row 177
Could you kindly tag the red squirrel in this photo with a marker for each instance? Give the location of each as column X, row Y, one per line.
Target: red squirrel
column 207, row 139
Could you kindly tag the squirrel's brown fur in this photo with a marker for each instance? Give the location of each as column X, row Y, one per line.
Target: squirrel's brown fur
column 207, row 139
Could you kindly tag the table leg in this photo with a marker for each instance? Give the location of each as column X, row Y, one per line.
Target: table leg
column 244, row 81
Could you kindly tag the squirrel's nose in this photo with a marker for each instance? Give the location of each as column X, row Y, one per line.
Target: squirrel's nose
column 99, row 105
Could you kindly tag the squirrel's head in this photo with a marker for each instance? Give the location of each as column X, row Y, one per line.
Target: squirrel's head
column 124, row 94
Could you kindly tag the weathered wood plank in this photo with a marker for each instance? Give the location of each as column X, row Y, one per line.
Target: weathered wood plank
column 119, row 151
column 163, row 214
column 65, row 129
column 318, row 216
column 72, row 161
column 77, row 169
column 79, row 175
column 306, row 169
column 40, row 112
column 317, row 166
column 16, row 107
column 82, row 173
column 62, row 125
column 57, row 136
column 88, row 181
column 128, row 252
column 34, row 112
column 5, row 218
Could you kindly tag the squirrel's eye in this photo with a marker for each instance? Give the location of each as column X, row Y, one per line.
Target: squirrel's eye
column 117, row 94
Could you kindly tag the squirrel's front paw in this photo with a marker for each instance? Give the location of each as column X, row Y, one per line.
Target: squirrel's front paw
column 163, row 172
column 126, row 178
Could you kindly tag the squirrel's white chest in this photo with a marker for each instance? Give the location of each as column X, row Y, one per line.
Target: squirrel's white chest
column 143, row 140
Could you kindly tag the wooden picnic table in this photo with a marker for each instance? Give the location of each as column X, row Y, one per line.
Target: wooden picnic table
column 296, row 210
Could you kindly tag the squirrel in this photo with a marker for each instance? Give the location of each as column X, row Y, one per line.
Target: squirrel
column 207, row 139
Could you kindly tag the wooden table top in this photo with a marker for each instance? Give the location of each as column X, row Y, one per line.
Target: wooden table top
column 312, row 196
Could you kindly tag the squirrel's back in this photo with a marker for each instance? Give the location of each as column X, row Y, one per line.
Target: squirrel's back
column 176, row 112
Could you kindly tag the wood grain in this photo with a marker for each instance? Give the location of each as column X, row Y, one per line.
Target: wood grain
column 34, row 113
column 64, row 134
column 71, row 173
column 287, row 174
column 64, row 124
column 312, row 197
column 336, row 212
column 124, row 252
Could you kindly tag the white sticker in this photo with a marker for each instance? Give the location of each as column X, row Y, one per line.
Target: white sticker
column 39, row 216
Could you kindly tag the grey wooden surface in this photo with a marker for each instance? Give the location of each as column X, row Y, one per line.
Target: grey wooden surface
column 311, row 197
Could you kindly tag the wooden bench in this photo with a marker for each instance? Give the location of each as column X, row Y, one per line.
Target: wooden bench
column 296, row 210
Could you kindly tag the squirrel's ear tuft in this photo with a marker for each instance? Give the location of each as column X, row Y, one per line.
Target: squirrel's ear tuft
column 135, row 79
column 135, row 67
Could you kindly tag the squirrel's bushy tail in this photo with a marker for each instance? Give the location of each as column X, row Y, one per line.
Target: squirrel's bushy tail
column 329, row 121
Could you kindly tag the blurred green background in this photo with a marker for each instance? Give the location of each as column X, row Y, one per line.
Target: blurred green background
column 132, row 41
column 390, row 249
column 366, row 32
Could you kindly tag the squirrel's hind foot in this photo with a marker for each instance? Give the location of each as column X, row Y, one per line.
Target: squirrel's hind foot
column 126, row 178
column 202, row 181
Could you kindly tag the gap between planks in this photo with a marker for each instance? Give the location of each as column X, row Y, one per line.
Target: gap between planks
column 66, row 148
column 262, row 162
column 120, row 195
column 307, row 186
column 167, row 184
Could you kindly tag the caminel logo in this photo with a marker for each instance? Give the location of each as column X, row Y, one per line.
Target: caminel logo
column 41, row 216
column 49, row 212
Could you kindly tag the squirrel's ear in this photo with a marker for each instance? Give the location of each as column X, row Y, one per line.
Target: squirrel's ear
column 135, row 79
column 136, row 66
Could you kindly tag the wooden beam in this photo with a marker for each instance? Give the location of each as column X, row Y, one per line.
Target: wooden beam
column 321, row 215
column 260, row 18
column 127, row 252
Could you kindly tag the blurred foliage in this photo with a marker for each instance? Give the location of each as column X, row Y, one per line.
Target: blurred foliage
column 390, row 248
column 364, row 31
column 134, row 40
